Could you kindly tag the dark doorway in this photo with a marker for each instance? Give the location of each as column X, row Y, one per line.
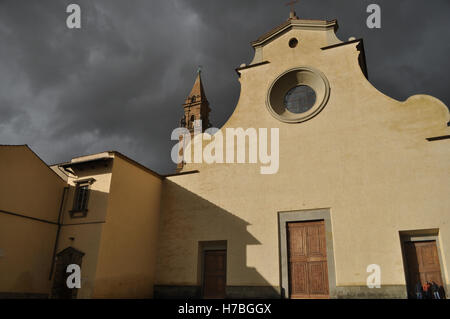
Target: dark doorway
column 66, row 257
column 307, row 258
column 422, row 265
column 214, row 274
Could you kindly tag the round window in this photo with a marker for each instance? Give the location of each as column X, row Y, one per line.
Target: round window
column 300, row 99
column 293, row 43
column 298, row 95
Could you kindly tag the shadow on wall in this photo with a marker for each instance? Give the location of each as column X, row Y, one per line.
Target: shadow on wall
column 187, row 222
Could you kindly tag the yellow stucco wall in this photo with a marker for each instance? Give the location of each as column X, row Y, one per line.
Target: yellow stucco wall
column 25, row 176
column 118, row 235
column 30, row 188
column 86, row 231
column 126, row 262
column 365, row 156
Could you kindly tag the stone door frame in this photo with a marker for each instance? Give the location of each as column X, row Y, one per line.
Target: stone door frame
column 304, row 216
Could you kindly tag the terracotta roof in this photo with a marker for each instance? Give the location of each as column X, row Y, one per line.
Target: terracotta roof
column 103, row 158
column 132, row 161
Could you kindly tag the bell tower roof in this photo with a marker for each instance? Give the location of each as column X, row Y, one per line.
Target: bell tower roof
column 197, row 94
column 196, row 106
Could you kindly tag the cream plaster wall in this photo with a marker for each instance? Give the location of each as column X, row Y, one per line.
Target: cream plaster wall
column 365, row 156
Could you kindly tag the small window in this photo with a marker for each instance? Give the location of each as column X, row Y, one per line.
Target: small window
column 293, row 43
column 80, row 201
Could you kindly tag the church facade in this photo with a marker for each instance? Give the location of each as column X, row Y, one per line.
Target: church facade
column 357, row 208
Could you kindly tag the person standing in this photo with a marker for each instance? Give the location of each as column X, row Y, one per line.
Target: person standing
column 419, row 290
column 435, row 290
column 426, row 290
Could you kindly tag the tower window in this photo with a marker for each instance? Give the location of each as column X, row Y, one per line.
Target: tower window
column 193, row 99
column 191, row 121
column 183, row 121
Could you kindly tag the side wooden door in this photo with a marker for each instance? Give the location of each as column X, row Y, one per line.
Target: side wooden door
column 422, row 260
column 307, row 257
column 214, row 274
column 66, row 257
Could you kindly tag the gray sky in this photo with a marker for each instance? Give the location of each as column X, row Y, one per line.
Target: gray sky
column 119, row 82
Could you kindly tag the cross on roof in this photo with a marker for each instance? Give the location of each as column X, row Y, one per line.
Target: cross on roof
column 292, row 3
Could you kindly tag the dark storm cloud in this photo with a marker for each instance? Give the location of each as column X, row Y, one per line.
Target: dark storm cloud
column 119, row 82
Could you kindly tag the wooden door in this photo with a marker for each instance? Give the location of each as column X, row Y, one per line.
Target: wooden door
column 214, row 274
column 307, row 257
column 66, row 257
column 422, row 262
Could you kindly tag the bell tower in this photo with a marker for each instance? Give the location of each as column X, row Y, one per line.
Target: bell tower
column 196, row 108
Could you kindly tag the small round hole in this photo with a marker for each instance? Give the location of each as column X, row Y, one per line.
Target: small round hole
column 293, row 42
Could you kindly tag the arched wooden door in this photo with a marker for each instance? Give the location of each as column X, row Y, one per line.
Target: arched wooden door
column 66, row 257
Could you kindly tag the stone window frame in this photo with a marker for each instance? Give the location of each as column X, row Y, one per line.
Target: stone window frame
column 285, row 217
column 77, row 212
column 313, row 78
